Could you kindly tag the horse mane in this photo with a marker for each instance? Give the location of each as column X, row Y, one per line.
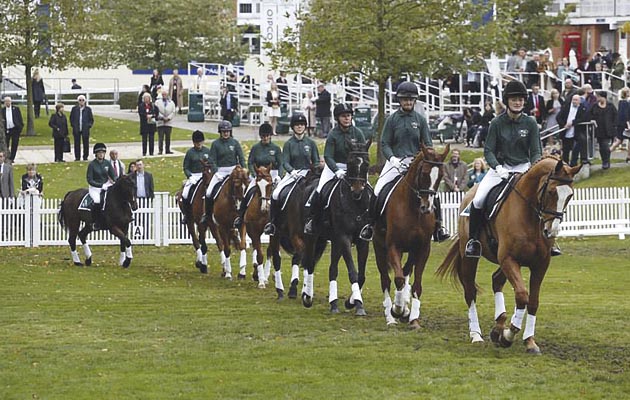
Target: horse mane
column 538, row 164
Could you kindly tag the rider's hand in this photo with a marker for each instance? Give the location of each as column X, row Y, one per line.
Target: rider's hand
column 294, row 174
column 340, row 173
column 395, row 162
column 105, row 186
column 502, row 172
column 276, row 180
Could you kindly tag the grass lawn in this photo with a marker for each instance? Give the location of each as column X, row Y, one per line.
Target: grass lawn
column 161, row 330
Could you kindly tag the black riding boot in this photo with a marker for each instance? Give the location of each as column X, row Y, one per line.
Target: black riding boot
column 208, row 212
column 315, row 215
column 440, row 234
column 238, row 221
column 270, row 227
column 367, row 232
column 186, row 211
column 473, row 247
column 97, row 217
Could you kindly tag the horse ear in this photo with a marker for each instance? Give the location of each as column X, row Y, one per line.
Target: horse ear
column 447, row 149
column 574, row 171
column 559, row 166
column 424, row 150
column 368, row 144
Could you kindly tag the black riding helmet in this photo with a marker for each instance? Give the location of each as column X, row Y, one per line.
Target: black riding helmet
column 407, row 90
column 197, row 137
column 514, row 89
column 342, row 108
column 265, row 130
column 298, row 119
column 225, row 126
column 99, row 147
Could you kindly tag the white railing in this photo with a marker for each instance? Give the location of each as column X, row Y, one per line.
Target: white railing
column 31, row 221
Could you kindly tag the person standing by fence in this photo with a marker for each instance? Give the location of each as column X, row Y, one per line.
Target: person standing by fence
column 59, row 124
column 82, row 120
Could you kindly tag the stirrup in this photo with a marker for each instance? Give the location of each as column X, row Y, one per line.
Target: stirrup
column 204, row 218
column 440, row 235
column 238, row 222
column 309, row 229
column 367, row 233
column 269, row 229
column 473, row 248
column 555, row 251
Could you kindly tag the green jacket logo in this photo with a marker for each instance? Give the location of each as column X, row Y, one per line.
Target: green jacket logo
column 523, row 132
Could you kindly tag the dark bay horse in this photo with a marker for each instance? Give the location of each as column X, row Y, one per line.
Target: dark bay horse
column 120, row 202
column 193, row 213
column 224, row 212
column 525, row 227
column 346, row 214
column 256, row 217
column 290, row 233
column 407, row 226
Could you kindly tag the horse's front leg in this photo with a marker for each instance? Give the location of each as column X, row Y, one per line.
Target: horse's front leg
column 536, row 277
column 355, row 300
column 240, row 242
column 273, row 250
column 512, row 271
column 83, row 234
column 500, row 313
column 308, row 262
column 126, row 254
column 393, row 260
column 419, row 257
column 227, row 251
column 333, row 272
column 258, row 272
column 380, row 254
column 202, row 251
column 72, row 241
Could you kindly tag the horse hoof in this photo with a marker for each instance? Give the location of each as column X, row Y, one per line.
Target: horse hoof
column 228, row 276
column 261, row 285
column 334, row 309
column 255, row 273
column 395, row 313
column 293, row 291
column 360, row 310
column 307, row 301
column 475, row 337
column 198, row 264
column 88, row 261
column 495, row 334
column 280, row 294
column 414, row 325
column 503, row 342
column 78, row 264
column 241, row 277
column 203, row 269
column 348, row 305
column 127, row 262
column 535, row 351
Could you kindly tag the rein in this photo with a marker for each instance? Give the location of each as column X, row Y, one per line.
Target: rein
column 540, row 196
column 423, row 192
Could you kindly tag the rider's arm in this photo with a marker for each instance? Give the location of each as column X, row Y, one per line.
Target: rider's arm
column 387, row 138
column 213, row 157
column 314, row 154
column 490, row 147
column 286, row 157
column 278, row 162
column 90, row 176
column 240, row 155
column 187, row 162
column 250, row 161
column 110, row 171
column 535, row 145
column 425, row 134
column 329, row 153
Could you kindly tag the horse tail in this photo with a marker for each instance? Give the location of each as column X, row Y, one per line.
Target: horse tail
column 61, row 216
column 452, row 263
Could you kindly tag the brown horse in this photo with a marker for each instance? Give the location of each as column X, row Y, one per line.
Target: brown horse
column 120, row 202
column 525, row 228
column 193, row 213
column 256, row 217
column 224, row 212
column 407, row 226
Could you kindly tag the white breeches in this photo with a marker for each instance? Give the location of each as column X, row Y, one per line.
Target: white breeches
column 388, row 173
column 491, row 180
column 95, row 192
column 219, row 176
column 194, row 178
column 328, row 175
column 287, row 180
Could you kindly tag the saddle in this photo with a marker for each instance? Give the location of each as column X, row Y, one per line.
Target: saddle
column 327, row 191
column 87, row 202
column 495, row 198
column 285, row 193
column 385, row 194
column 217, row 189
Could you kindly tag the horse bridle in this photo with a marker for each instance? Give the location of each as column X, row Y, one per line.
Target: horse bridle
column 360, row 154
column 540, row 196
column 425, row 192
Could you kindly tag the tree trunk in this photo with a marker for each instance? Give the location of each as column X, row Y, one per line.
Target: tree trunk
column 380, row 122
column 30, row 114
column 3, row 144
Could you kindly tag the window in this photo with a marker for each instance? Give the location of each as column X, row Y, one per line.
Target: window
column 245, row 8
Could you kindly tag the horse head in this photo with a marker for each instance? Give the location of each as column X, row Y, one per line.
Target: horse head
column 239, row 181
column 125, row 188
column 206, row 173
column 264, row 183
column 358, row 166
column 426, row 173
column 553, row 192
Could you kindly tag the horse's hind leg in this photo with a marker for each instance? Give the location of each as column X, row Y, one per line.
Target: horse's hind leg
column 333, row 272
column 500, row 313
column 512, row 271
column 86, row 247
column 72, row 241
column 273, row 251
column 467, row 272
column 386, row 282
column 535, row 280
column 296, row 260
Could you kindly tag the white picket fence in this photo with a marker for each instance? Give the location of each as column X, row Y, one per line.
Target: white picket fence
column 31, row 221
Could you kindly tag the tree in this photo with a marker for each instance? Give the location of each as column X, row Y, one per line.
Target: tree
column 169, row 34
column 385, row 38
column 53, row 34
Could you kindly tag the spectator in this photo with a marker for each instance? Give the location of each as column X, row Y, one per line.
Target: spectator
column 473, row 120
column 156, row 83
column 144, row 181
column 605, row 115
column 533, row 69
column 82, row 120
column 165, row 114
column 131, row 168
column 200, row 82
column 145, row 89
column 148, row 113
column 477, row 173
column 623, row 120
column 283, row 87
column 59, row 124
column 455, row 174
column 322, row 109
column 617, row 70
column 595, row 78
column 273, row 105
column 229, row 105
column 569, row 90
column 571, row 117
column 486, row 118
column 13, row 125
column 535, row 105
column 117, row 165
column 32, row 182
column 75, row 85
column 39, row 93
column 230, row 81
column 176, row 90
column 7, row 188
column 308, row 108
column 589, row 96
column 553, row 106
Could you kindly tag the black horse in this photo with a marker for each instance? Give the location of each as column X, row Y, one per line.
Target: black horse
column 346, row 214
column 120, row 202
column 290, row 232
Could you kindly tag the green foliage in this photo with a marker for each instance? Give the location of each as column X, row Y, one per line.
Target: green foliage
column 172, row 34
column 161, row 330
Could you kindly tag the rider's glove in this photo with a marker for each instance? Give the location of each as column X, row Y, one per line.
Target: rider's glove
column 502, row 172
column 395, row 162
column 340, row 173
column 294, row 174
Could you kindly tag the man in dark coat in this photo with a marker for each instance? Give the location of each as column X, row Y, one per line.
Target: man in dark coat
column 81, row 120
column 13, row 125
column 571, row 117
column 322, row 109
column 229, row 105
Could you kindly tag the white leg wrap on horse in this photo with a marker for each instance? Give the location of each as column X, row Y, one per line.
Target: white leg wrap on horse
column 267, row 269
column 530, row 327
column 473, row 319
column 499, row 305
column 387, row 309
column 199, row 255
column 121, row 259
column 517, row 318
column 128, row 252
column 399, row 299
column 243, row 261
column 261, row 275
column 254, row 256
column 222, row 259
column 309, row 284
column 278, row 278
column 204, row 259
column 407, row 291
column 332, row 291
column 356, row 293
column 75, row 256
column 228, row 268
column 87, row 251
column 295, row 272
column 415, row 309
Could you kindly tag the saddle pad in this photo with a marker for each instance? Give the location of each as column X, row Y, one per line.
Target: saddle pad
column 86, row 202
column 217, row 188
column 327, row 191
column 193, row 190
column 494, row 199
column 385, row 194
column 286, row 192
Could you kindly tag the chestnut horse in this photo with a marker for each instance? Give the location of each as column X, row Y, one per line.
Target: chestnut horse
column 256, row 217
column 120, row 202
column 525, row 228
column 193, row 216
column 221, row 224
column 407, row 225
